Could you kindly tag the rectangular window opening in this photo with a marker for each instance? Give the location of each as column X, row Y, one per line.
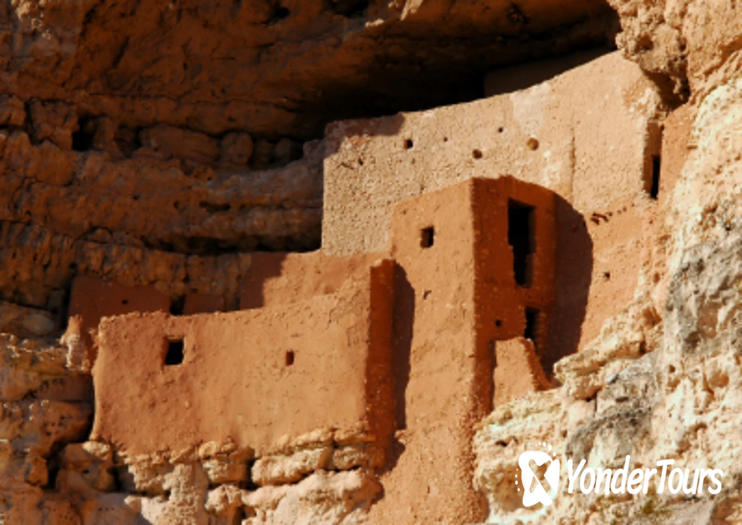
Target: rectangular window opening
column 652, row 159
column 532, row 321
column 177, row 305
column 654, row 188
column 521, row 239
column 427, row 236
column 174, row 354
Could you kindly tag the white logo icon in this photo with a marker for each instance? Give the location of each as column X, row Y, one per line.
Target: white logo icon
column 533, row 491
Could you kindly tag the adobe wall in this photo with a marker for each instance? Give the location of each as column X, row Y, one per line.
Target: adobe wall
column 505, row 307
column 318, row 363
column 587, row 134
column 91, row 299
column 455, row 295
column 282, row 278
column 433, row 363
column 408, row 349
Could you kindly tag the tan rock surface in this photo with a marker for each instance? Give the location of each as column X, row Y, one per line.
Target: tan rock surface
column 685, row 46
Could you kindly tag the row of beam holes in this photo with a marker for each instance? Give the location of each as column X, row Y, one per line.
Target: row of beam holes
column 476, row 153
column 652, row 184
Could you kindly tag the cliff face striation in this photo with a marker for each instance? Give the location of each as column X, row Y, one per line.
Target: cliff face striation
column 152, row 152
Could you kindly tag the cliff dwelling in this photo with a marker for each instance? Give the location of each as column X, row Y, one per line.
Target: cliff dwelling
column 435, row 297
column 339, row 262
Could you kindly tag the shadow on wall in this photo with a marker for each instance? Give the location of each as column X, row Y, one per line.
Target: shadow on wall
column 402, row 329
column 574, row 266
column 527, row 74
column 263, row 267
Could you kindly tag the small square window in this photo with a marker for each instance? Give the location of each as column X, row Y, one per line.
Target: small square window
column 427, row 236
column 174, row 355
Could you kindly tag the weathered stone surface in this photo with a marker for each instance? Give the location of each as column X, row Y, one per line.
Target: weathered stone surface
column 12, row 111
column 274, row 69
column 518, row 370
column 87, row 193
column 28, row 504
column 29, row 430
column 223, row 470
column 350, row 456
column 279, row 470
column 171, row 141
column 683, row 45
column 44, row 285
column 92, row 461
column 323, row 497
column 236, row 149
column 54, row 121
column 25, row 322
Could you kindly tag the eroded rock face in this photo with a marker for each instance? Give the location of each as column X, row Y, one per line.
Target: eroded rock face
column 273, row 69
column 683, row 45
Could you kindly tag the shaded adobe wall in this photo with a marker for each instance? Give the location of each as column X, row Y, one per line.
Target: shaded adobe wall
column 252, row 377
column 456, row 295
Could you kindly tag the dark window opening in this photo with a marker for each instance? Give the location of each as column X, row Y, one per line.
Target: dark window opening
column 279, row 13
column 177, row 305
column 290, row 358
column 654, row 188
column 408, row 144
column 427, row 236
column 83, row 138
column 531, row 331
column 174, row 355
column 520, row 237
column 349, row 8
column 652, row 159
